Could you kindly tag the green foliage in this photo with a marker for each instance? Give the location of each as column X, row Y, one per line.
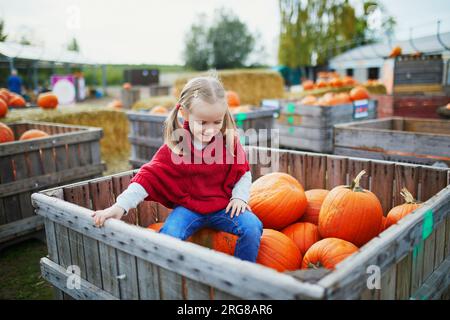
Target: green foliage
column 225, row 44
column 314, row 31
column 3, row 36
column 73, row 45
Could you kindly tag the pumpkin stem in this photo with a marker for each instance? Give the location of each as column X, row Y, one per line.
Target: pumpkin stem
column 355, row 183
column 407, row 196
column 314, row 266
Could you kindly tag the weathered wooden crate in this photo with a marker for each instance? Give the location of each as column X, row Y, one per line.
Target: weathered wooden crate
column 146, row 131
column 70, row 153
column 129, row 97
column 418, row 74
column 422, row 141
column 126, row 261
column 311, row 127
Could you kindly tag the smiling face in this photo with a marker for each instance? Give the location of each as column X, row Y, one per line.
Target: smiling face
column 205, row 119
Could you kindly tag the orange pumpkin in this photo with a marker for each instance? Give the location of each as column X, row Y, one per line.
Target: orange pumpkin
column 16, row 100
column 383, row 224
column 304, row 234
column 350, row 213
column 33, row 134
column 159, row 110
column 47, row 100
column 278, row 200
column 5, row 93
column 447, row 106
column 315, row 199
column 359, row 93
column 233, row 99
column 398, row 212
column 308, row 85
column 156, row 226
column 3, row 108
column 309, row 100
column 213, row 239
column 396, row 51
column 336, row 82
column 127, row 86
column 327, row 253
column 6, row 134
column 321, row 84
column 278, row 251
column 115, row 104
column 348, row 81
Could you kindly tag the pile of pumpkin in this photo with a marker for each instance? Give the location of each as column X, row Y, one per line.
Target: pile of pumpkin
column 7, row 135
column 233, row 100
column 46, row 100
column 313, row 229
column 333, row 99
column 328, row 80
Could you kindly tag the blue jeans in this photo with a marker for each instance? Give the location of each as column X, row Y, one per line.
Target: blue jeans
column 182, row 223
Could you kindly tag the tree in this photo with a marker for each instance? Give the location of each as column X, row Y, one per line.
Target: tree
column 226, row 43
column 313, row 31
column 3, row 36
column 197, row 50
column 73, row 45
column 231, row 41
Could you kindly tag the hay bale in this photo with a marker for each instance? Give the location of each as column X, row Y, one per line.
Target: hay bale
column 147, row 104
column 251, row 85
column 114, row 145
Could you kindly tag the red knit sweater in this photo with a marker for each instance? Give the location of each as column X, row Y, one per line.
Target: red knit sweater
column 202, row 188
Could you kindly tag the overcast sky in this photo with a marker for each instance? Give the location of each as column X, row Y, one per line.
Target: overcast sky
column 152, row 31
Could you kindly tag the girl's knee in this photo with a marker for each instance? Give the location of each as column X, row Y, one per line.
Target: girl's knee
column 173, row 230
column 252, row 225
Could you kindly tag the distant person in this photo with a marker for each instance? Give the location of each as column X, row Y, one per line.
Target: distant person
column 15, row 82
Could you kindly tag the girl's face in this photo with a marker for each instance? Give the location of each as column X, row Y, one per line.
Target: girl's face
column 205, row 120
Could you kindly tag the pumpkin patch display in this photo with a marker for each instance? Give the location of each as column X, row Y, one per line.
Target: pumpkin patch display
column 396, row 51
column 398, row 212
column 278, row 200
column 327, row 253
column 278, row 251
column 351, row 213
column 304, row 235
column 3, row 108
column 233, row 99
column 6, row 134
column 47, row 100
column 33, row 134
column 359, row 93
column 315, row 199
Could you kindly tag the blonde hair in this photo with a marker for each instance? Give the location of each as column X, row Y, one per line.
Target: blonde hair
column 209, row 89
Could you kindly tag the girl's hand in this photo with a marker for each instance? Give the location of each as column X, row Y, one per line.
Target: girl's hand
column 237, row 206
column 100, row 216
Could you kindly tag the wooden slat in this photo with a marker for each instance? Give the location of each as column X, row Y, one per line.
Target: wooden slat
column 315, row 172
column 129, row 285
column 405, row 177
column 403, row 281
column 355, row 167
column 336, row 172
column 297, row 163
column 170, row 285
column 382, row 183
column 58, row 277
column 148, row 280
column 195, row 290
column 388, row 283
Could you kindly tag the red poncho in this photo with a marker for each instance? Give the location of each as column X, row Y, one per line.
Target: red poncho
column 201, row 187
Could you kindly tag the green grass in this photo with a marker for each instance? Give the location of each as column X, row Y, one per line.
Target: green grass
column 20, row 276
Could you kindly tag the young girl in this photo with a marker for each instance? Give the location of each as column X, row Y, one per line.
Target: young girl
column 202, row 193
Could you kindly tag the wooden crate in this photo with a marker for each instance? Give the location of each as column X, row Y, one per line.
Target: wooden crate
column 70, row 153
column 146, row 131
column 311, row 127
column 422, row 141
column 418, row 74
column 129, row 97
column 124, row 261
